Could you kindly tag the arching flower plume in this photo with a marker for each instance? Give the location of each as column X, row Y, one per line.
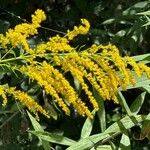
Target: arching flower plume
column 100, row 67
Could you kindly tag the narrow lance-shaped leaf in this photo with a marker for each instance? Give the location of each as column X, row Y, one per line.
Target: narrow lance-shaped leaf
column 125, row 143
column 142, row 58
column 113, row 130
column 54, row 138
column 137, row 104
column 145, row 131
column 101, row 112
column 87, row 127
column 146, row 88
column 104, row 147
column 125, row 140
column 37, row 127
column 124, row 104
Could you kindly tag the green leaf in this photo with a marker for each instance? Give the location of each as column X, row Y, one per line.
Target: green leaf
column 35, row 124
column 136, row 7
column 77, row 85
column 137, row 104
column 144, row 57
column 113, row 146
column 141, row 4
column 54, row 138
column 51, row 110
column 113, row 130
column 95, row 31
column 145, row 131
column 123, row 103
column 87, row 127
column 143, row 81
column 93, row 148
column 4, row 68
column 125, row 142
column 146, row 88
column 104, row 147
column 121, row 33
column 148, row 21
column 144, row 13
column 101, row 112
column 128, row 122
column 109, row 21
column 37, row 127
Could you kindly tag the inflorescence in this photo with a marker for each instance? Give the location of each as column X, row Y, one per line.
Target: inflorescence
column 99, row 66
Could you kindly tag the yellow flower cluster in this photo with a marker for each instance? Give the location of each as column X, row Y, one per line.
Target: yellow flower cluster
column 145, row 68
column 24, row 98
column 99, row 67
column 55, row 84
column 104, row 68
column 19, row 35
column 28, row 101
column 3, row 95
column 78, row 73
column 36, row 73
column 115, row 66
column 82, row 29
column 38, row 17
column 55, row 44
column 61, row 44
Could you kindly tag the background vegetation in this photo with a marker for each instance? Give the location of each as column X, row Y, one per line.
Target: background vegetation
column 123, row 23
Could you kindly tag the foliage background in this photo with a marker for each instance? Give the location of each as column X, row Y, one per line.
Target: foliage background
column 111, row 21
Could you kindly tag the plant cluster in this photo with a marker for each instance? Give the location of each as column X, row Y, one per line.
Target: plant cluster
column 82, row 86
column 98, row 66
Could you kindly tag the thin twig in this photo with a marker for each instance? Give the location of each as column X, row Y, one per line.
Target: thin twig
column 24, row 20
column 6, row 112
column 9, row 119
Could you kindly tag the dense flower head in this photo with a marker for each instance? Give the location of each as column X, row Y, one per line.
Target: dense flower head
column 22, row 97
column 3, row 95
column 55, row 44
column 82, row 29
column 36, row 73
column 99, row 68
column 38, row 17
column 21, row 32
column 28, row 101
column 61, row 44
column 55, row 84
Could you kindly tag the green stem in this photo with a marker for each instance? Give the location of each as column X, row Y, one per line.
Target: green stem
column 13, row 59
column 9, row 119
column 23, row 57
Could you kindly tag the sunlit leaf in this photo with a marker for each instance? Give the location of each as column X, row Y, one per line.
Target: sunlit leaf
column 53, row 138
column 38, row 127
column 137, row 103
column 87, row 127
column 104, row 147
column 112, row 131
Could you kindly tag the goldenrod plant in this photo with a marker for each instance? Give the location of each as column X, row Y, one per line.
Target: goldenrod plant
column 96, row 66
